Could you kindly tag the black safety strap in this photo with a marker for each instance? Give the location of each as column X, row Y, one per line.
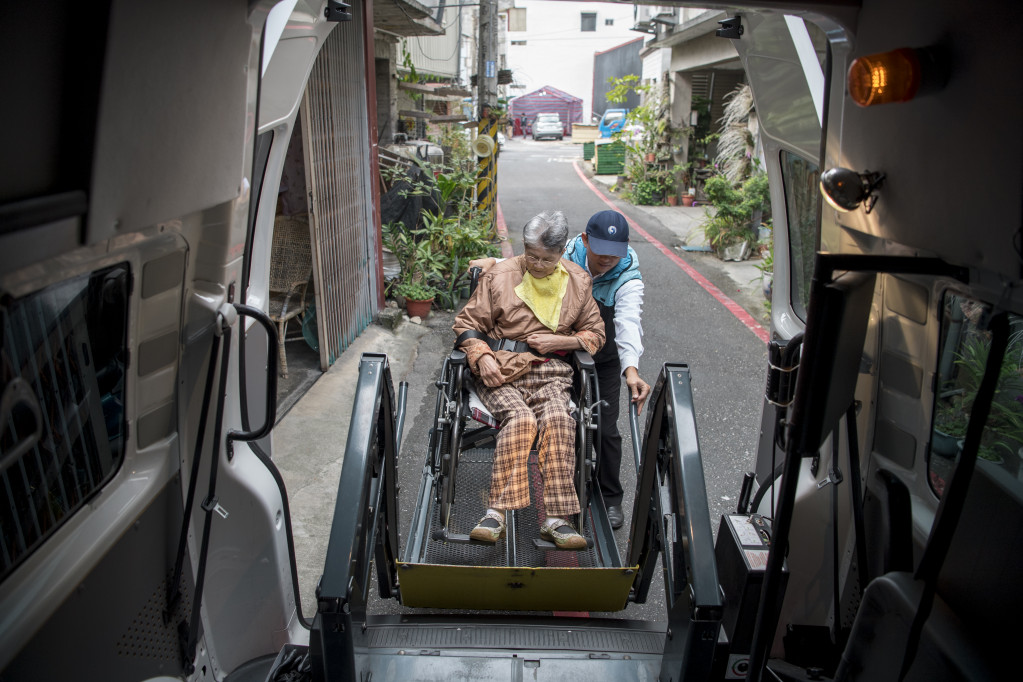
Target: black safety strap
column 857, row 496
column 472, row 334
column 494, row 344
column 954, row 497
column 209, row 505
column 173, row 589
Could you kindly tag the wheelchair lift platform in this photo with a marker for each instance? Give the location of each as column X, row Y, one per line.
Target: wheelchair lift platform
column 513, row 574
column 670, row 537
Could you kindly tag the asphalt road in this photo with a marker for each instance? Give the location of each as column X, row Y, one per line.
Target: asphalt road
column 682, row 324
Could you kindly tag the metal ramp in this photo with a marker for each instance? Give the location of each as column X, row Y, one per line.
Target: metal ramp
column 513, row 574
column 670, row 537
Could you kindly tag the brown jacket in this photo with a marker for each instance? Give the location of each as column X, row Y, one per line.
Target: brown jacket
column 497, row 311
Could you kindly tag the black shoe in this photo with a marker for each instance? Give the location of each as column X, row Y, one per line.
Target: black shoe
column 615, row 516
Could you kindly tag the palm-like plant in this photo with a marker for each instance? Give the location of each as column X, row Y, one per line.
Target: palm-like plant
column 737, row 145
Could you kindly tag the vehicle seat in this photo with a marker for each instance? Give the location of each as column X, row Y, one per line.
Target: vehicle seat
column 877, row 643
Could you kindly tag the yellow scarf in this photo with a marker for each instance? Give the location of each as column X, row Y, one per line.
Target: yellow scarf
column 544, row 296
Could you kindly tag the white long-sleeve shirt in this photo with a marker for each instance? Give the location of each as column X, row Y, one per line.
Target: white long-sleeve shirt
column 628, row 323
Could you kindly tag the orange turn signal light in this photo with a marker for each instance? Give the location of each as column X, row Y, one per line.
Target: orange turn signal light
column 885, row 77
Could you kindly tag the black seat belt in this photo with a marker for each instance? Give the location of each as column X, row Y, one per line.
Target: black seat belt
column 173, row 589
column 954, row 497
column 188, row 632
column 209, row 505
column 494, row 344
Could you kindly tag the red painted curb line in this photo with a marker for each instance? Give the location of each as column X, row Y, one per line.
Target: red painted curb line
column 707, row 285
column 502, row 232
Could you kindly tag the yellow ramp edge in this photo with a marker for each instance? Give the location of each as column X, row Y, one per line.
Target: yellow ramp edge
column 511, row 588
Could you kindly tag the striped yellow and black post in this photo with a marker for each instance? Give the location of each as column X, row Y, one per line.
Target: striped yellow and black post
column 486, row 174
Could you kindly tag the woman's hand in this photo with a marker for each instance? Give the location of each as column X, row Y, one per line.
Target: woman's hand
column 548, row 343
column 490, row 371
column 482, row 263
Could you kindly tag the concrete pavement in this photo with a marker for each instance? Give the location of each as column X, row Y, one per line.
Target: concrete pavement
column 309, row 441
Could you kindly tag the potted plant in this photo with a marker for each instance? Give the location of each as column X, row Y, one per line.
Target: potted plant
column 418, row 297
column 730, row 230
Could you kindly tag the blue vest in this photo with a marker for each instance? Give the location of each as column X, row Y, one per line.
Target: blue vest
column 606, row 286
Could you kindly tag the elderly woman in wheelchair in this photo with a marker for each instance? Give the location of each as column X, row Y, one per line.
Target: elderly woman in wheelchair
column 527, row 315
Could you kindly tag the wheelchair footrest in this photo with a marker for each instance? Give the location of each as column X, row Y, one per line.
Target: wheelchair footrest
column 444, row 535
column 544, row 545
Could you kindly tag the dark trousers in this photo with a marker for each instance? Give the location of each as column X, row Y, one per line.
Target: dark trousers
column 609, row 380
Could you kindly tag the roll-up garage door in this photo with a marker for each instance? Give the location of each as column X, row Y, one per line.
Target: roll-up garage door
column 336, row 146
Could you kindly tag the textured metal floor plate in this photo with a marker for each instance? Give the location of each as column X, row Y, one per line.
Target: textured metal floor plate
column 609, row 640
column 471, row 490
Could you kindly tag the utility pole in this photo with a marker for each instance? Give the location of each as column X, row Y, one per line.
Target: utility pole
column 486, row 63
column 486, row 99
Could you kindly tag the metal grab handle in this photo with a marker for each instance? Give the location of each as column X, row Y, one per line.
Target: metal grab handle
column 271, row 379
column 18, row 392
column 474, row 278
column 634, row 430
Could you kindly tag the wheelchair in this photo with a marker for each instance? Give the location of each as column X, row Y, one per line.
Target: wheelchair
column 462, row 423
column 460, row 461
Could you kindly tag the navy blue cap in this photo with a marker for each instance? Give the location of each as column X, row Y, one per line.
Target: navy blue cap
column 608, row 234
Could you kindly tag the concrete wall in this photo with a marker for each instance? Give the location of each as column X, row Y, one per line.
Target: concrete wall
column 387, row 90
column 704, row 52
column 655, row 65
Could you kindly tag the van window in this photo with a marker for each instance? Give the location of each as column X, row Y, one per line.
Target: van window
column 961, row 362
column 62, row 371
column 800, row 179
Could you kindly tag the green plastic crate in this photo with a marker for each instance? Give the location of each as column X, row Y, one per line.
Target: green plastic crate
column 587, row 151
column 610, row 159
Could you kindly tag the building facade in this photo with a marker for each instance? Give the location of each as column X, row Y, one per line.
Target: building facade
column 554, row 43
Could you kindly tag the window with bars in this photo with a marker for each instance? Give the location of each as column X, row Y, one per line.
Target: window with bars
column 62, row 426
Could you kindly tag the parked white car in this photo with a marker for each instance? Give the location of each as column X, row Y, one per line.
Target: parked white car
column 548, row 125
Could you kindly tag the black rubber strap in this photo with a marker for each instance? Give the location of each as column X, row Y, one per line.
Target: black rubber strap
column 954, row 497
column 493, row 344
column 472, row 334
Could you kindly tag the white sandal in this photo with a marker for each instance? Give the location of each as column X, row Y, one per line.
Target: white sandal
column 563, row 535
column 491, row 528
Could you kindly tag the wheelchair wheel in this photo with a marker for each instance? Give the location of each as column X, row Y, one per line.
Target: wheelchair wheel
column 450, row 441
column 589, row 417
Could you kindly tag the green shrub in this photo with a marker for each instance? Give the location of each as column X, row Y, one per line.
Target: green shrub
column 647, row 193
column 415, row 291
column 734, row 209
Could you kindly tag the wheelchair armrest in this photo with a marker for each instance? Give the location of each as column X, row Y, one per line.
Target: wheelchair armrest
column 582, row 359
column 457, row 356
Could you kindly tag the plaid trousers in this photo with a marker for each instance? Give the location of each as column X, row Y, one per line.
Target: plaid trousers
column 535, row 402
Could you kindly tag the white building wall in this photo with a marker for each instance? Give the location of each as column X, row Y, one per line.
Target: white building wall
column 655, row 64
column 557, row 52
column 435, row 56
column 707, row 51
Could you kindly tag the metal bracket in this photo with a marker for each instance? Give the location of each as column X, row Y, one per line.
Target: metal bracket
column 337, row 11
column 730, row 28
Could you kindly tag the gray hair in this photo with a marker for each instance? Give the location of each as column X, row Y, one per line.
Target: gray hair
column 548, row 231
